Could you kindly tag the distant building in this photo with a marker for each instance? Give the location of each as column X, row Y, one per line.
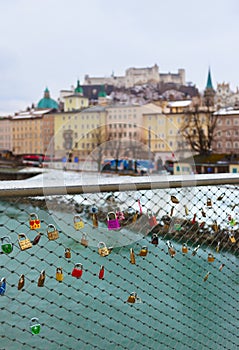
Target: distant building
column 138, row 76
column 226, row 139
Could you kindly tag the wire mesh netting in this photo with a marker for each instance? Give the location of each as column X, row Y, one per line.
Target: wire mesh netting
column 153, row 269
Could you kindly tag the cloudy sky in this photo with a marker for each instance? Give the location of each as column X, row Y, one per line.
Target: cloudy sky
column 54, row 42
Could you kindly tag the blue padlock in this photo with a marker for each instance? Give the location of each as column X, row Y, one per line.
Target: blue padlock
column 3, row 286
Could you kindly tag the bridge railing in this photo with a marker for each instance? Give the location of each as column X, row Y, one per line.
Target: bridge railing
column 120, row 263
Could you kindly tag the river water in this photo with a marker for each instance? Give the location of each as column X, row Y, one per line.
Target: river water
column 177, row 308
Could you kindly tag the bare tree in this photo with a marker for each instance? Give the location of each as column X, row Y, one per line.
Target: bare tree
column 198, row 129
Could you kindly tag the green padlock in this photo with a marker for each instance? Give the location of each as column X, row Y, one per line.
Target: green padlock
column 7, row 245
column 35, row 326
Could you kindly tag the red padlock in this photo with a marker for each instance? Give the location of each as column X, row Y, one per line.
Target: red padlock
column 77, row 271
column 102, row 272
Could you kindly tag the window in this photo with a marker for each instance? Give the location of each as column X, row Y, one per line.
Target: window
column 228, row 133
column 228, row 122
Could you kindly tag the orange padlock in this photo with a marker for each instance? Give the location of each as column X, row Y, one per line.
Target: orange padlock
column 210, row 258
column 184, row 248
column 67, row 253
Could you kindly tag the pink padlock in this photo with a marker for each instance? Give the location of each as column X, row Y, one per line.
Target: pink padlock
column 152, row 218
column 112, row 221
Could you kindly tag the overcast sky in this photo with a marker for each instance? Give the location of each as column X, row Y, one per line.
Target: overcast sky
column 54, row 42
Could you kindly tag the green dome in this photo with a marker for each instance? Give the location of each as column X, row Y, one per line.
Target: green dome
column 78, row 89
column 47, row 102
column 102, row 92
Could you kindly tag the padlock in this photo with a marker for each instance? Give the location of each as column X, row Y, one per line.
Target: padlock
column 102, row 272
column 34, row 221
column 24, row 242
column 84, row 241
column 133, row 298
column 3, row 286
column 143, row 251
column 221, row 267
column 206, row 277
column 171, row 211
column 210, row 258
column 135, row 217
column 177, row 227
column 52, row 232
column 7, row 246
column 94, row 220
column 21, row 282
column 59, row 274
column 186, row 210
column 184, row 248
column 215, row 226
column 112, row 221
column 194, row 219
column 120, row 215
column 203, row 213
column 77, row 271
column 209, row 202
column 41, row 279
column 232, row 222
column 174, row 200
column 154, row 239
column 218, row 247
column 195, row 250
column 171, row 250
column 102, row 249
column 152, row 218
column 67, row 253
column 36, row 239
column 35, row 325
column 78, row 223
column 232, row 238
column 132, row 256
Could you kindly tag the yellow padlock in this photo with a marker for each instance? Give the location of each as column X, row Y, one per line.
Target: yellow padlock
column 102, row 249
column 78, row 223
column 59, row 274
column 232, row 238
column 132, row 256
column 52, row 232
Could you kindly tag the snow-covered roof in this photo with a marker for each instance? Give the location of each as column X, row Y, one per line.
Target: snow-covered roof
column 182, row 103
column 227, row 111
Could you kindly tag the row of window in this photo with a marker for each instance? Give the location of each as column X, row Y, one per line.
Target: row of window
column 82, row 117
column 123, row 134
column 229, row 144
column 232, row 121
column 228, row 133
column 115, row 126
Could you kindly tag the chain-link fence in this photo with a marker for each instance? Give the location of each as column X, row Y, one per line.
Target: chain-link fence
column 151, row 268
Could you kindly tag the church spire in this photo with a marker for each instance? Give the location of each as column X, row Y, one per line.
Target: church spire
column 209, row 80
column 78, row 89
column 209, row 92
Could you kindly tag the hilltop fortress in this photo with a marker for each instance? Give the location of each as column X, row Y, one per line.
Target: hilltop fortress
column 138, row 76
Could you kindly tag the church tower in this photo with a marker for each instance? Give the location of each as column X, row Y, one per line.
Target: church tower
column 209, row 92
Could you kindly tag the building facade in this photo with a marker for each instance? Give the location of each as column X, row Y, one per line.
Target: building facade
column 138, row 76
column 5, row 134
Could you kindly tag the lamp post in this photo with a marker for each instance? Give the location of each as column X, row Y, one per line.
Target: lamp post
column 149, row 147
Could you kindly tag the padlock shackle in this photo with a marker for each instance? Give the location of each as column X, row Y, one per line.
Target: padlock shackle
column 34, row 319
column 21, row 235
column 111, row 213
column 59, row 270
column 78, row 265
column 6, row 238
column 52, row 226
column 77, row 217
column 31, row 215
column 102, row 245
